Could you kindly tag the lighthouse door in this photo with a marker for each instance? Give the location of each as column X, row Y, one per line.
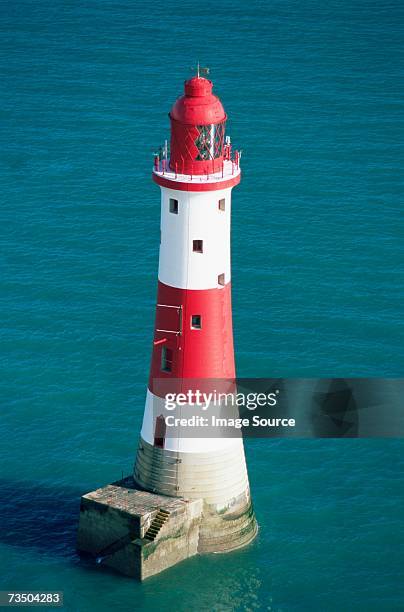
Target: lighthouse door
column 160, row 432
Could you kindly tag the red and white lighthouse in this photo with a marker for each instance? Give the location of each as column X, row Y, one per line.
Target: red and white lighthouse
column 193, row 337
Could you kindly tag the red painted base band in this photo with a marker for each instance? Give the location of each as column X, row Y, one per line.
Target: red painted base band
column 189, row 352
column 195, row 186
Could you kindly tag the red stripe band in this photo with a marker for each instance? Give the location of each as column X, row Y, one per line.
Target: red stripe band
column 198, row 335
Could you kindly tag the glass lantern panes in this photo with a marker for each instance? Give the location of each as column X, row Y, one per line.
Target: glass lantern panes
column 209, row 141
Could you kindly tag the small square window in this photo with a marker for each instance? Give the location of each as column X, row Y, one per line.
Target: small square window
column 196, row 322
column 197, row 246
column 222, row 204
column 166, row 359
column 220, row 279
column 173, row 206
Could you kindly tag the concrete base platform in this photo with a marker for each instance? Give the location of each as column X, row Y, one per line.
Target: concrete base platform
column 136, row 532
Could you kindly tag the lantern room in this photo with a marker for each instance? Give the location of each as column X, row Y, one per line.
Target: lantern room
column 197, row 130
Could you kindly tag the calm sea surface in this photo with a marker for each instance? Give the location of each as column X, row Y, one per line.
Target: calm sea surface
column 314, row 94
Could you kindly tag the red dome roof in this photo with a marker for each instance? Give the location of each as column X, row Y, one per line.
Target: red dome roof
column 198, row 106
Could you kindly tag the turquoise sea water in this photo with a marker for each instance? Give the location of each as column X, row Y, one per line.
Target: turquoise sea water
column 314, row 94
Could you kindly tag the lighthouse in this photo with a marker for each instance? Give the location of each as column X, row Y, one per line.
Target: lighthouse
column 193, row 336
column 187, row 495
